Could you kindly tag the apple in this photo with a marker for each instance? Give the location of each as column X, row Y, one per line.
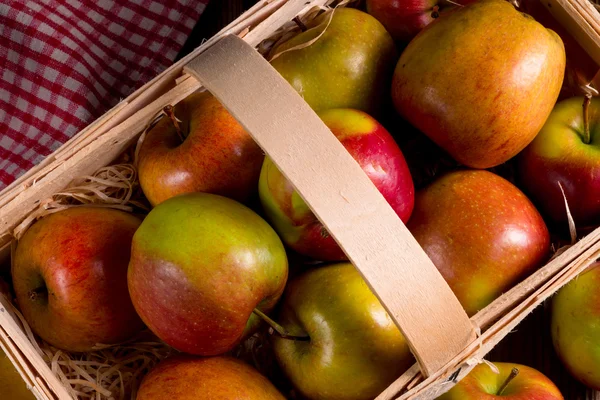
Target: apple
column 566, row 153
column 403, row 19
column 70, row 278
column 475, row 88
column 349, row 66
column 481, row 232
column 12, row 385
column 513, row 382
column 200, row 264
column 185, row 377
column 209, row 152
column 379, row 156
column 354, row 349
column 576, row 326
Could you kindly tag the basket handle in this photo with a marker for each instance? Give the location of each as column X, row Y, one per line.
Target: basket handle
column 341, row 195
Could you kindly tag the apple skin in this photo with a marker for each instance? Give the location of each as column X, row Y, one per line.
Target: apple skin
column 481, row 116
column 200, row 263
column 355, row 349
column 481, row 232
column 483, row 384
column 78, row 258
column 576, row 326
column 349, row 66
column 379, row 156
column 217, row 156
column 403, row 19
column 185, row 377
column 559, row 154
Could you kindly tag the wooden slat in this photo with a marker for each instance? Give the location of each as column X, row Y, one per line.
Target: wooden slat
column 342, row 197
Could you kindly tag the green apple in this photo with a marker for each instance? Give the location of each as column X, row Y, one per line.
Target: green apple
column 208, row 152
column 200, row 264
column 576, row 326
column 354, row 349
column 349, row 66
column 70, row 278
column 513, row 382
column 184, row 377
column 481, row 232
column 475, row 87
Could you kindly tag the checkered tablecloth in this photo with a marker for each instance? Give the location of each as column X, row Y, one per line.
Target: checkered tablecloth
column 63, row 63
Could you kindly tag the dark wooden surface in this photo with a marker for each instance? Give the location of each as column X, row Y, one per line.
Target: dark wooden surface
column 530, row 344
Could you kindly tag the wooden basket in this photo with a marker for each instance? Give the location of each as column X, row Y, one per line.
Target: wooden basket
column 446, row 343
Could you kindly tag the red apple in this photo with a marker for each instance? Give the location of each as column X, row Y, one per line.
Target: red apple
column 378, row 155
column 563, row 154
column 200, row 265
column 481, row 232
column 70, row 278
column 514, row 382
column 212, row 153
column 218, row 378
column 403, row 19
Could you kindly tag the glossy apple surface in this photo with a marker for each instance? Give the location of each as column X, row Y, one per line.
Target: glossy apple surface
column 576, row 327
column 216, row 156
column 378, row 155
column 355, row 350
column 560, row 154
column 481, row 232
column 349, row 66
column 484, row 115
column 70, row 277
column 200, row 263
column 403, row 19
column 185, row 377
column 484, row 384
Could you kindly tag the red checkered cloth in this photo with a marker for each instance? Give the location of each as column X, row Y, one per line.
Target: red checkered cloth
column 63, row 63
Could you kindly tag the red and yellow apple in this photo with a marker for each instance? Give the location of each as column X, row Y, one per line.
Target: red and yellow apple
column 200, row 264
column 354, row 349
column 564, row 154
column 185, row 377
column 403, row 19
column 211, row 153
column 481, row 232
column 525, row 383
column 477, row 89
column 380, row 158
column 576, row 326
column 70, row 278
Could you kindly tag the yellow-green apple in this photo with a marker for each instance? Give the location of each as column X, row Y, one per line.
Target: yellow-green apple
column 380, row 158
column 405, row 18
column 200, row 264
column 566, row 153
column 481, row 232
column 354, row 349
column 12, row 386
column 349, row 66
column 576, row 326
column 209, row 152
column 482, row 116
column 70, row 277
column 513, row 382
column 185, row 377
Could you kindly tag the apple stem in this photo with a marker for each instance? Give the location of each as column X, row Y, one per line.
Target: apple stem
column 513, row 375
column 436, row 12
column 168, row 109
column 586, row 118
column 281, row 331
column 38, row 293
column 300, row 24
